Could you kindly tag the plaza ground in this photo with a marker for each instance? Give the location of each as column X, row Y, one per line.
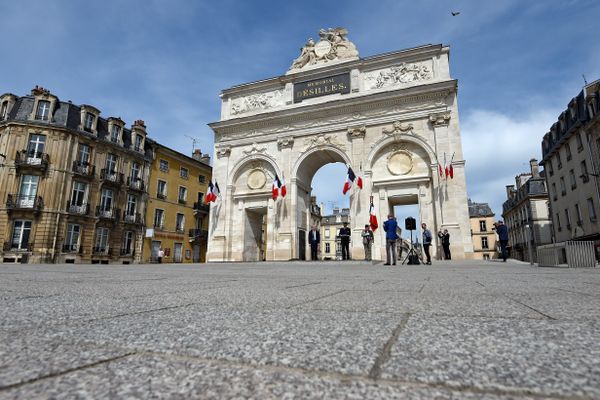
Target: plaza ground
column 311, row 330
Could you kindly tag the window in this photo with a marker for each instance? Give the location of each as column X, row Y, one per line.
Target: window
column 159, row 218
column 4, row 110
column 43, row 110
column 131, row 205
column 161, row 189
column 573, row 179
column 78, row 194
column 486, row 256
column 182, row 194
column 327, row 248
column 101, row 240
column 84, row 154
column 327, row 233
column 111, row 163
column 549, row 167
column 568, row 218
column 164, row 165
column 72, row 239
column 21, row 233
column 484, row 243
column 88, row 122
column 558, row 222
column 202, row 179
column 135, row 171
column 563, row 186
column 482, row 226
column 183, row 172
column 578, row 214
column 568, row 151
column 591, row 209
column 579, row 142
column 200, row 198
column 115, row 132
column 106, row 200
column 559, row 161
column 36, row 145
column 127, row 248
column 179, row 222
column 138, row 143
column 585, row 177
column 29, row 186
column 554, row 192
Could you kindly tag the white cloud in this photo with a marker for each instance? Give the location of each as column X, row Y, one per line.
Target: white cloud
column 497, row 147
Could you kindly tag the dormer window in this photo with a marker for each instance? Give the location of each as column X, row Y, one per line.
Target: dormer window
column 4, row 110
column 139, row 140
column 89, row 122
column 115, row 133
column 43, row 110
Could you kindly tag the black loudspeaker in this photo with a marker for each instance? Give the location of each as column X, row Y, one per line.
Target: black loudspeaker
column 410, row 224
column 413, row 259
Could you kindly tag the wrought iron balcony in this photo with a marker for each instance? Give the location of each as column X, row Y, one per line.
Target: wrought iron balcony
column 201, row 208
column 84, row 169
column 135, row 184
column 78, row 209
column 101, row 251
column 127, row 252
column 159, row 227
column 133, row 219
column 198, row 234
column 32, row 159
column 71, row 248
column 114, row 177
column 24, row 202
column 9, row 246
column 108, row 213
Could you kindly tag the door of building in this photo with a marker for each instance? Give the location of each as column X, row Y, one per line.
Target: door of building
column 196, row 253
column 178, row 253
column 301, row 244
column 155, row 248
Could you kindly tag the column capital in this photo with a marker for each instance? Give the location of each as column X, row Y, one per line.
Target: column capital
column 440, row 119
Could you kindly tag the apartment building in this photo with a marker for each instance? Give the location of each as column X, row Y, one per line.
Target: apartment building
column 483, row 234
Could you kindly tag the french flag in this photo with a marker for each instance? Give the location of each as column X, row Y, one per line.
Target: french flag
column 350, row 178
column 210, row 194
column 283, row 188
column 373, row 217
column 277, row 186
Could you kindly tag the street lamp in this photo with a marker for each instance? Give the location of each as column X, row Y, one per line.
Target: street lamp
column 529, row 249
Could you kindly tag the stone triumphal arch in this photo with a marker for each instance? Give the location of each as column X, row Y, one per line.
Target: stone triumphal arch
column 391, row 117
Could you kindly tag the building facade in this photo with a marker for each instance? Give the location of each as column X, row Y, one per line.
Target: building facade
column 526, row 214
column 72, row 184
column 331, row 248
column 482, row 231
column 571, row 158
column 390, row 117
column 177, row 217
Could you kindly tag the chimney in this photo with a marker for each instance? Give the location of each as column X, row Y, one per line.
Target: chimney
column 509, row 191
column 197, row 155
column 535, row 169
column 322, row 208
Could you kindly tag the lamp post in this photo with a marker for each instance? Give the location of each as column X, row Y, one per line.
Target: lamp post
column 529, row 249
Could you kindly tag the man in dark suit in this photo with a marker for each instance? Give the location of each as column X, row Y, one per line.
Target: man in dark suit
column 314, row 238
column 345, row 241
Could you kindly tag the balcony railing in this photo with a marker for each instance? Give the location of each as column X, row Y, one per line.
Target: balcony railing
column 127, row 252
column 32, row 159
column 133, row 219
column 160, row 227
column 71, row 248
column 198, row 234
column 179, row 229
column 111, row 176
column 24, row 202
column 101, row 251
column 108, row 213
column 9, row 246
column 78, row 209
column 201, row 207
column 84, row 169
column 181, row 201
column 161, row 196
column 135, row 184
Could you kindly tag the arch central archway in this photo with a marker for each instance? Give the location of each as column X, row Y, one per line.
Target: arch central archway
column 303, row 173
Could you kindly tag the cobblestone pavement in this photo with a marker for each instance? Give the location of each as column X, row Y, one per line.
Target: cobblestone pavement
column 299, row 330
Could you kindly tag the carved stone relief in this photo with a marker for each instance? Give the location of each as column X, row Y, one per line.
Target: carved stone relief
column 257, row 102
column 441, row 119
column 397, row 75
column 254, row 149
column 332, row 46
column 400, row 162
column 256, row 179
column 357, row 132
column 285, row 142
column 322, row 140
column 223, row 151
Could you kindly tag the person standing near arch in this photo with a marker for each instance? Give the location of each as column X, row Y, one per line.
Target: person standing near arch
column 390, row 226
column 345, row 241
column 314, row 238
column 427, row 239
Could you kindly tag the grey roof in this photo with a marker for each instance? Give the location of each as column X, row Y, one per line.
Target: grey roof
column 480, row 210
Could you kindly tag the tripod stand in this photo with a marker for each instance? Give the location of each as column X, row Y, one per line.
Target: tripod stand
column 412, row 256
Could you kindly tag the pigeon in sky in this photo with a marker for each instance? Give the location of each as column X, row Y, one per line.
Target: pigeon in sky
column 455, row 13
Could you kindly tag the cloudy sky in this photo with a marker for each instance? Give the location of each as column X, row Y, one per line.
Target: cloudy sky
column 518, row 63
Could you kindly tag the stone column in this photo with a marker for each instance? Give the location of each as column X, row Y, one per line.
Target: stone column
column 359, row 200
column 220, row 212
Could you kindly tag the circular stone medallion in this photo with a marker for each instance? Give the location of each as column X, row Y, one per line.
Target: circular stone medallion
column 400, row 163
column 256, row 179
column 322, row 48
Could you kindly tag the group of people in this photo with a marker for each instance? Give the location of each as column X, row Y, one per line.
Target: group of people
column 392, row 235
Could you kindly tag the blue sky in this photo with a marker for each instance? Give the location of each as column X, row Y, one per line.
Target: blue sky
column 518, row 63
